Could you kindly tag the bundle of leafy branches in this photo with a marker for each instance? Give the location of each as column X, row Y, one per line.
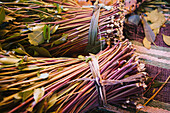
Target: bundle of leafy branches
column 57, row 28
column 36, row 84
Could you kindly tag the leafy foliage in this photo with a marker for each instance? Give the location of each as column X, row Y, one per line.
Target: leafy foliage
column 2, row 14
column 43, row 24
column 36, row 37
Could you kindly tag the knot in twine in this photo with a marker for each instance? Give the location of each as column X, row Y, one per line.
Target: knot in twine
column 94, row 67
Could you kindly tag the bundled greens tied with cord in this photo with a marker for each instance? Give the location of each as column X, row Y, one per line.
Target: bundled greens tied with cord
column 36, row 84
column 57, row 28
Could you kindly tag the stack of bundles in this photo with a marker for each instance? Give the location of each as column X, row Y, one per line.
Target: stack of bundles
column 33, row 84
column 54, row 28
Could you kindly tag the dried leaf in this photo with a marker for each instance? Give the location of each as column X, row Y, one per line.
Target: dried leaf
column 18, row 96
column 52, row 101
column 166, row 39
column 9, row 60
column 32, row 67
column 54, row 29
column 2, row 14
column 153, row 16
column 146, row 43
column 8, row 18
column 156, row 31
column 44, row 75
column 38, row 94
column 156, row 18
column 40, row 107
column 41, row 51
column 149, row 34
column 36, row 37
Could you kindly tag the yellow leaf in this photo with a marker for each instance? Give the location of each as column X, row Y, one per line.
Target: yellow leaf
column 38, row 94
column 9, row 60
column 157, row 19
column 156, row 31
column 146, row 43
column 81, row 57
column 9, row 18
column 154, row 90
column 166, row 39
column 153, row 16
column 36, row 37
column 17, row 96
column 31, row 67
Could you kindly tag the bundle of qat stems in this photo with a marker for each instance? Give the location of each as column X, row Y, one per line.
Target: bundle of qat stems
column 33, row 84
column 59, row 28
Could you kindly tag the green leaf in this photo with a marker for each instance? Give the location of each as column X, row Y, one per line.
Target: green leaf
column 26, row 95
column 21, row 50
column 87, row 60
column 45, row 32
column 41, row 51
column 48, row 37
column 60, row 40
column 38, row 94
column 27, row 20
column 36, row 37
column 59, row 10
column 54, row 29
column 2, row 14
column 14, row 35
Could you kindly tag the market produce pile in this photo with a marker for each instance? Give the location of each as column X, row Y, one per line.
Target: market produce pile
column 113, row 76
column 54, row 28
column 38, row 40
